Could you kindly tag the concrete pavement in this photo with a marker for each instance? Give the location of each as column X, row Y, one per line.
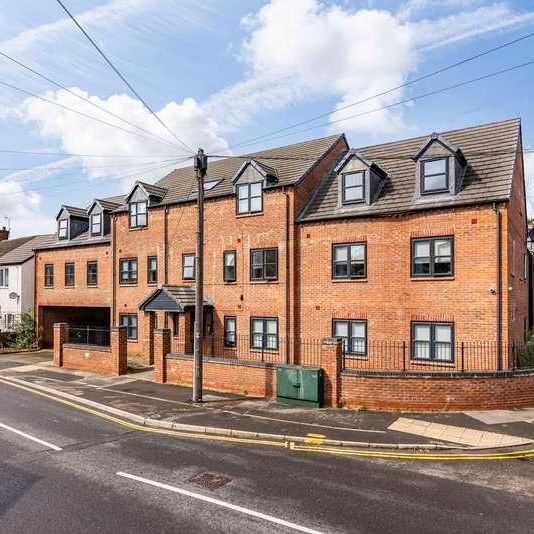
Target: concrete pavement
column 169, row 405
column 78, row 489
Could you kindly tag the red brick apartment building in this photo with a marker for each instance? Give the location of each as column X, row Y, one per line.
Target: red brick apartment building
column 419, row 243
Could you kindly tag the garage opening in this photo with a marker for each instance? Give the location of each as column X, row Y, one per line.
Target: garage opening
column 73, row 315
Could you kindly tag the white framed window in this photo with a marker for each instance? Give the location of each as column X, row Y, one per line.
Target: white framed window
column 96, row 224
column 4, row 277
column 353, row 334
column 188, row 266
column 62, row 228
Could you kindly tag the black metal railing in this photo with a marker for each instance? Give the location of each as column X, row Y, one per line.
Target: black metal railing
column 443, row 358
column 263, row 348
column 89, row 335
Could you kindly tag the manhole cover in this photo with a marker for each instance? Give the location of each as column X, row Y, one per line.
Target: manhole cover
column 209, row 481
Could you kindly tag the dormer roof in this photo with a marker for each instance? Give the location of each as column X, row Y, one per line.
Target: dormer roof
column 105, row 204
column 265, row 170
column 73, row 212
column 366, row 161
column 438, row 138
column 150, row 190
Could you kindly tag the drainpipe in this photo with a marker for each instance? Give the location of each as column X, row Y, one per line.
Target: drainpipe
column 498, row 252
column 165, row 244
column 288, row 280
column 113, row 270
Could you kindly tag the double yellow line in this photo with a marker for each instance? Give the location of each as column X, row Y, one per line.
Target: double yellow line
column 309, row 447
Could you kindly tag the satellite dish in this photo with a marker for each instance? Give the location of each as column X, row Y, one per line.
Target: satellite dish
column 13, row 295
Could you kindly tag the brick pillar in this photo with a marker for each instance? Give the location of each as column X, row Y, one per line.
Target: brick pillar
column 60, row 336
column 119, row 349
column 162, row 347
column 331, row 363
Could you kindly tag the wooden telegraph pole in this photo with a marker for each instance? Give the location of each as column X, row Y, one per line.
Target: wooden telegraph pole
column 201, row 167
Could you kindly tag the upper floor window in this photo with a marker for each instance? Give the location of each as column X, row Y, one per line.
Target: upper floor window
column 138, row 214
column 435, row 175
column 264, row 333
column 229, row 269
column 92, row 273
column 62, row 228
column 352, row 187
column 188, row 266
column 264, row 264
column 4, row 277
column 353, row 335
column 96, row 224
column 49, row 275
column 128, row 271
column 432, row 256
column 433, row 341
column 349, row 261
column 249, row 198
column 69, row 274
column 152, row 269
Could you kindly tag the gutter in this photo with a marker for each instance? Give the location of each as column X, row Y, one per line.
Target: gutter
column 288, row 280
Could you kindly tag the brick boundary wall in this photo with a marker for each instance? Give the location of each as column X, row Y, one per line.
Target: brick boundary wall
column 229, row 376
column 437, row 393
column 110, row 360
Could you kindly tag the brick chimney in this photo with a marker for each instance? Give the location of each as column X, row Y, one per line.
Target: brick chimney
column 4, row 233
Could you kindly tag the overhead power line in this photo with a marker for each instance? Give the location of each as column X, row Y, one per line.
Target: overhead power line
column 121, row 76
column 71, row 92
column 387, row 91
column 405, row 101
column 77, row 155
column 81, row 113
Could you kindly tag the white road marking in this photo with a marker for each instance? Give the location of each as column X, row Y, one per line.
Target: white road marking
column 211, row 500
column 33, row 438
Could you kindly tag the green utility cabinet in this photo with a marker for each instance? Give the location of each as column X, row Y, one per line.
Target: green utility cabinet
column 299, row 385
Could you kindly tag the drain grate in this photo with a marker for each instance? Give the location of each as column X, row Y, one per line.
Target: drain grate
column 209, row 481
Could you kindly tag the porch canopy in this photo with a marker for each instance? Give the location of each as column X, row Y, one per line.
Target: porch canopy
column 170, row 298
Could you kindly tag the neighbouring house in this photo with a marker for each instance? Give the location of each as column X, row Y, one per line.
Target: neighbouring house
column 17, row 276
column 413, row 253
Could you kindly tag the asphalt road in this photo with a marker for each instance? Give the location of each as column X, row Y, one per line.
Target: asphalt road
column 169, row 484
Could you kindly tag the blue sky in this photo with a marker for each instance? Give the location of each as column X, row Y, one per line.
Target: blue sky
column 219, row 73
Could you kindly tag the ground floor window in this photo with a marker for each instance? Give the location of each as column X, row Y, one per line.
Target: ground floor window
column 433, row 341
column 353, row 333
column 229, row 331
column 129, row 320
column 264, row 333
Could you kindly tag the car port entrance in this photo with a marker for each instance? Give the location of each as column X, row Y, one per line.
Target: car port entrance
column 73, row 315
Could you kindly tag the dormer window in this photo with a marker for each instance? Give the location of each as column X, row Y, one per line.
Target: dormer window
column 249, row 198
column 138, row 214
column 96, row 224
column 434, row 176
column 62, row 229
column 352, row 187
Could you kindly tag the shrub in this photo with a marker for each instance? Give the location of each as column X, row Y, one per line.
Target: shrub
column 24, row 332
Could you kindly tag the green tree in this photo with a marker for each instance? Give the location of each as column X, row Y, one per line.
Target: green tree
column 25, row 335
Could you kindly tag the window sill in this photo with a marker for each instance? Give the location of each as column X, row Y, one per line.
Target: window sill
column 132, row 340
column 356, row 356
column 345, row 280
column 260, row 282
column 230, row 282
column 69, row 287
column 127, row 284
column 433, row 363
column 245, row 215
column 431, row 278
column 137, row 228
column 93, row 286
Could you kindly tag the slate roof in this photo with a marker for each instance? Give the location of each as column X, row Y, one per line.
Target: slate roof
column 111, row 203
column 490, row 151
column 24, row 251
column 80, row 240
column 301, row 158
column 171, row 298
column 7, row 245
column 75, row 212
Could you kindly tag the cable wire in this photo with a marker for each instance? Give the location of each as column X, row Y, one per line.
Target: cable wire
column 87, row 100
column 121, row 76
column 388, row 91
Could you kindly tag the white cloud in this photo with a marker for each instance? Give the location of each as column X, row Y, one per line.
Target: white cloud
column 79, row 135
column 303, row 49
